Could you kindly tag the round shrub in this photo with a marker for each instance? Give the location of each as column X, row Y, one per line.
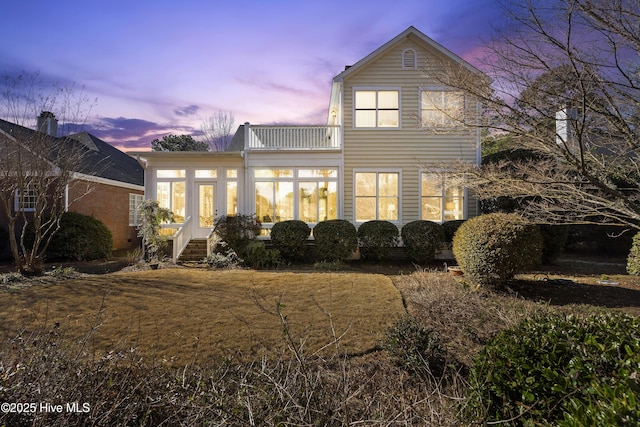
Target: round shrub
column 256, row 255
column 81, row 238
column 237, row 231
column 336, row 239
column 633, row 261
column 290, row 238
column 423, row 240
column 450, row 228
column 492, row 248
column 560, row 370
column 554, row 239
column 376, row 238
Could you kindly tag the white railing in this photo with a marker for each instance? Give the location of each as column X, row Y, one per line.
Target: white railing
column 181, row 238
column 258, row 137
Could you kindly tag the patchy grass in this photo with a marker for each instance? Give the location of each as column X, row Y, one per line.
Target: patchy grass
column 184, row 315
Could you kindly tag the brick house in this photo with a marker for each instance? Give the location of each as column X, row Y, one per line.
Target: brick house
column 108, row 187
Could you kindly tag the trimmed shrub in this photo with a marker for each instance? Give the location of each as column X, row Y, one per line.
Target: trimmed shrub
column 554, row 239
column 336, row 239
column 415, row 347
column 450, row 228
column 237, row 231
column 492, row 248
column 633, row 261
column 562, row 370
column 423, row 240
column 80, row 238
column 376, row 238
column 256, row 255
column 290, row 238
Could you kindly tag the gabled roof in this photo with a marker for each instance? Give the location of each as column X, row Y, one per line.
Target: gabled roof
column 385, row 47
column 99, row 158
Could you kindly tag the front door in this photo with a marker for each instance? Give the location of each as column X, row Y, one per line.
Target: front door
column 206, row 209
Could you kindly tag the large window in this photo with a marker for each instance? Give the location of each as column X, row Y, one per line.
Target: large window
column 135, row 200
column 26, row 199
column 377, row 196
column 441, row 108
column 376, row 108
column 170, row 192
column 309, row 195
column 441, row 201
column 232, row 191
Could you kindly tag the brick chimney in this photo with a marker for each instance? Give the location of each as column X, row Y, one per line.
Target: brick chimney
column 47, row 123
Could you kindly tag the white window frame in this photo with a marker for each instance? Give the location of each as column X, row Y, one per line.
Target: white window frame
column 377, row 172
column 445, row 123
column 409, row 63
column 377, row 89
column 20, row 205
column 135, row 200
column 172, row 181
column 465, row 197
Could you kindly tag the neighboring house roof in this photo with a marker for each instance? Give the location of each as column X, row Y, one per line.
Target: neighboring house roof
column 100, row 159
column 237, row 142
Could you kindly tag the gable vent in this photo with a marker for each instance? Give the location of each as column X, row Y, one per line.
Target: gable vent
column 409, row 59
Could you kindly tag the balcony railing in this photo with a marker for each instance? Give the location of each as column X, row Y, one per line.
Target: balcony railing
column 258, row 137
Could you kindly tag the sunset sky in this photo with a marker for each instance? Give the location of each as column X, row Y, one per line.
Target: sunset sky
column 160, row 67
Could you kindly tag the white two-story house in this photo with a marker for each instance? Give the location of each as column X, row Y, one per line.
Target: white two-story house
column 386, row 121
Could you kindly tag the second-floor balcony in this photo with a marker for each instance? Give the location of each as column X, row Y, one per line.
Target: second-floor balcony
column 263, row 137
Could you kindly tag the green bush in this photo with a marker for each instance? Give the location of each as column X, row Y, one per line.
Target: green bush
column 237, row 231
column 415, row 347
column 256, row 255
column 560, row 370
column 335, row 239
column 450, row 228
column 80, row 238
column 633, row 261
column 423, row 240
column 290, row 238
column 492, row 248
column 376, row 238
column 554, row 239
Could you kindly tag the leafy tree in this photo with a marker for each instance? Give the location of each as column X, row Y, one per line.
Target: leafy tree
column 178, row 143
column 565, row 84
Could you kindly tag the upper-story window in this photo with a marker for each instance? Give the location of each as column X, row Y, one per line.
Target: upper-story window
column 441, row 108
column 409, row 59
column 377, row 108
column 26, row 199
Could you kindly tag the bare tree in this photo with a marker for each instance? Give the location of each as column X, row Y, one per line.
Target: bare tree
column 218, row 130
column 566, row 85
column 38, row 168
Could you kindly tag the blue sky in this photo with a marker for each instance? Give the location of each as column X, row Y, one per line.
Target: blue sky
column 160, row 67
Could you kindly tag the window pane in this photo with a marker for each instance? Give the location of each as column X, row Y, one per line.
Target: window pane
column 178, row 201
column 264, row 201
column 206, row 209
column 431, row 208
column 206, row 173
column 232, row 173
column 284, row 201
column 431, row 185
column 232, row 198
column 365, row 208
column 273, row 173
column 162, row 194
column 317, row 173
column 365, row 184
column 365, row 99
column 388, row 119
column 388, row 99
column 388, row 184
column 453, row 203
column 170, row 173
column 388, row 208
column 365, row 118
column 308, row 201
column 328, row 203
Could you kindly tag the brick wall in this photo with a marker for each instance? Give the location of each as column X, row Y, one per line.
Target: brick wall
column 109, row 204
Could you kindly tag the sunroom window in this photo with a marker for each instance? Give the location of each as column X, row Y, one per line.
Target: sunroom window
column 170, row 192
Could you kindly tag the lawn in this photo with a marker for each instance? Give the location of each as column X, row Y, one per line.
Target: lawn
column 180, row 315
